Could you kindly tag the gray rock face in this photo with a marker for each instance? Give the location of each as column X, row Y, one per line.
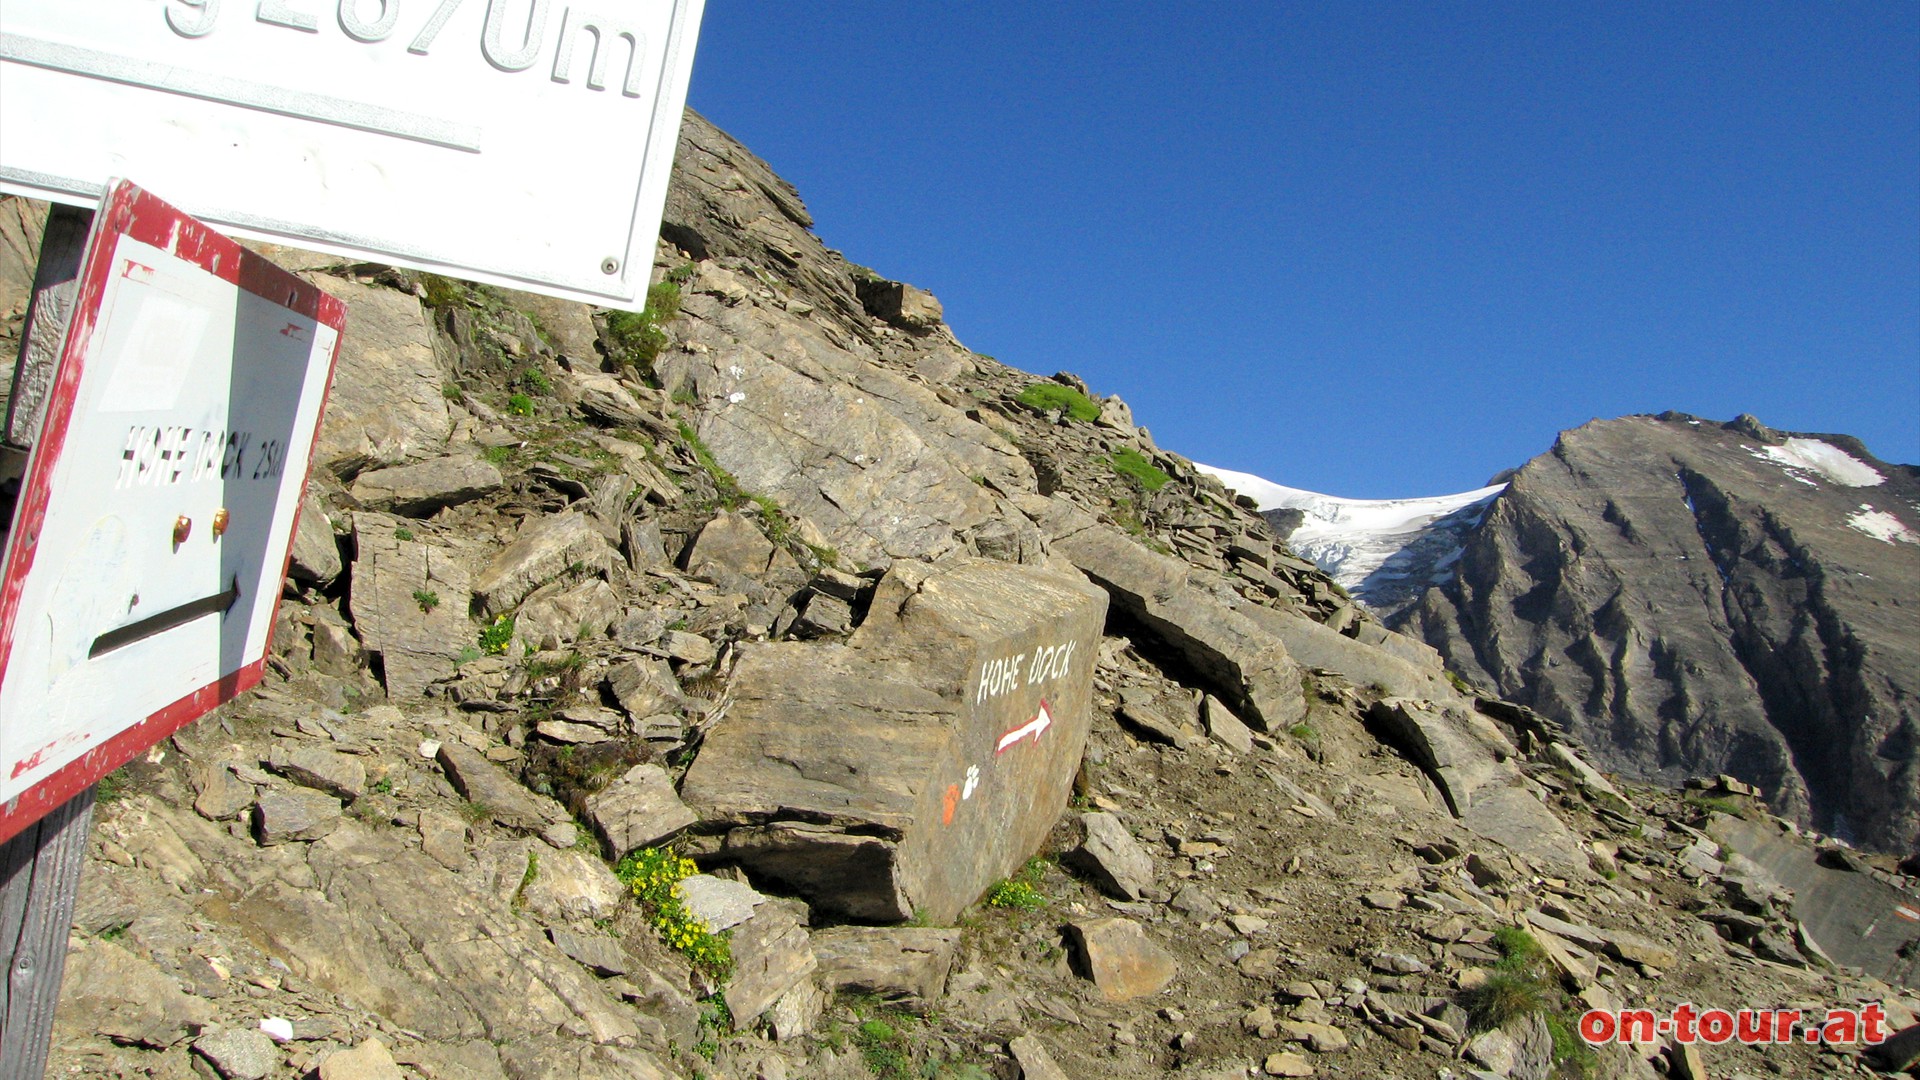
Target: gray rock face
column 386, row 405
column 419, row 489
column 637, row 810
column 129, row 1000
column 409, row 604
column 545, row 548
column 1742, row 600
column 904, row 964
column 1247, row 665
column 922, row 761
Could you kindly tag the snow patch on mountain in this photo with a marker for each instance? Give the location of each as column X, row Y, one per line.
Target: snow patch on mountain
column 1383, row 551
column 1882, row 526
column 1799, row 457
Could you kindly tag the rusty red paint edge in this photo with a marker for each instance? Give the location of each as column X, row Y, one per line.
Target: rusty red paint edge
column 131, row 210
column 87, row 769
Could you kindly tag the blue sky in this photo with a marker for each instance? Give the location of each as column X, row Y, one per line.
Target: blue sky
column 1374, row 250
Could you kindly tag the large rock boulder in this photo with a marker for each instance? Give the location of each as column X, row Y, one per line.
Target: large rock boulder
column 928, row 757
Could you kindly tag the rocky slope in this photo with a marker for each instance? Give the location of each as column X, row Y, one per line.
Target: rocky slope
column 1005, row 743
column 1693, row 597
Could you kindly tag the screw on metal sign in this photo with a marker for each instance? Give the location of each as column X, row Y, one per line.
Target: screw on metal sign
column 158, row 506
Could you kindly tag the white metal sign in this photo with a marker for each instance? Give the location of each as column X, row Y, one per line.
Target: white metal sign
column 152, row 533
column 527, row 143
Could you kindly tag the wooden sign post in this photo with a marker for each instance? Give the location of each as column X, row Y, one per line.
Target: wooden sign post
column 40, row 866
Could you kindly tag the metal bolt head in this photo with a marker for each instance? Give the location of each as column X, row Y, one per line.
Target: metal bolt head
column 219, row 523
column 609, row 265
column 182, row 528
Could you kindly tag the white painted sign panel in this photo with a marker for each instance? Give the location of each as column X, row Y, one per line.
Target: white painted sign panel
column 525, row 143
column 160, row 501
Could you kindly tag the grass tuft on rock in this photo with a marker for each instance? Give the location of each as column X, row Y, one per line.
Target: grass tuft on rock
column 1134, row 465
column 1047, row 396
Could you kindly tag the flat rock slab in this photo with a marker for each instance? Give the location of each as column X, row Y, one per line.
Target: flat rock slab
column 1244, row 663
column 1121, row 959
column 281, row 817
column 1035, row 1062
column 238, row 1053
column 772, row 953
column 545, row 547
column 493, row 792
column 1114, row 859
column 926, row 758
column 420, row 489
column 596, row 952
column 1314, row 645
column 409, row 604
column 722, row 903
column 371, row 1060
column 1514, row 818
column 127, row 999
column 638, row 810
column 904, row 964
column 340, row 775
column 427, row 950
column 1443, row 747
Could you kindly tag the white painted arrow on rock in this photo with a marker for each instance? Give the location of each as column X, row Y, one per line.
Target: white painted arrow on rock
column 1033, row 727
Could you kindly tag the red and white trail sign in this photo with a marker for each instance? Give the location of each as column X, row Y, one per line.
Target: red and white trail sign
column 159, row 505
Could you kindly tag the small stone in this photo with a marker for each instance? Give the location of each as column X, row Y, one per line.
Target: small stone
column 1110, row 854
column 1322, row 1038
column 1225, row 727
column 1122, row 961
column 222, row 794
column 691, row 648
column 368, row 1061
column 238, row 1053
column 1385, row 900
column 561, row 835
column 1397, row 964
column 1035, row 1062
column 1247, row 924
column 1638, row 950
column 1495, row 1051
column 281, row 817
column 722, row 903
column 277, row 1028
column 1287, row 1063
column 339, row 775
